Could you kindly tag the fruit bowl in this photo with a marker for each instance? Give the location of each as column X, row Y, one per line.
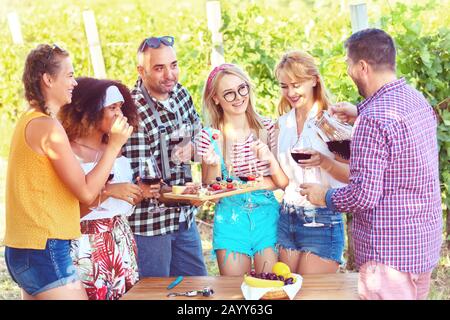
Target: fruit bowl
column 261, row 289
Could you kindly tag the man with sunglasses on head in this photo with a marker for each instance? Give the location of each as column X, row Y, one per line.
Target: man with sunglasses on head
column 168, row 240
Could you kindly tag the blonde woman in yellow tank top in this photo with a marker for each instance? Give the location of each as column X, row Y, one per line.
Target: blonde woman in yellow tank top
column 45, row 182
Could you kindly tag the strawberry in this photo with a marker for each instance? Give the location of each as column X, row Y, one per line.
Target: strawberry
column 216, row 186
column 251, row 177
column 230, row 186
column 215, row 136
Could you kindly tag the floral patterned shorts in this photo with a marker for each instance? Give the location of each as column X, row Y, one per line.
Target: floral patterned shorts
column 105, row 257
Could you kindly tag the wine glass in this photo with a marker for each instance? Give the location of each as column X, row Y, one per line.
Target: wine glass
column 310, row 175
column 149, row 173
column 184, row 137
column 98, row 207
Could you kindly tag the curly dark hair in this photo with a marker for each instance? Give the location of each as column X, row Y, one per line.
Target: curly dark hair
column 85, row 112
column 43, row 59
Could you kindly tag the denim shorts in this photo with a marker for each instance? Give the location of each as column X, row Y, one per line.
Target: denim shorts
column 246, row 223
column 36, row 271
column 326, row 242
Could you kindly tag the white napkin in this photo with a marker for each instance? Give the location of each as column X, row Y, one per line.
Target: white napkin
column 252, row 293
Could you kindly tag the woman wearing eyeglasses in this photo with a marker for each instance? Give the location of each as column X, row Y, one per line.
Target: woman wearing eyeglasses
column 245, row 226
column 45, row 182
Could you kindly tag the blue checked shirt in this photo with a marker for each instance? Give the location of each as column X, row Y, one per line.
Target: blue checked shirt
column 144, row 143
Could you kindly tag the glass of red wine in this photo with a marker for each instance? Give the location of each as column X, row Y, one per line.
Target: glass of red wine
column 149, row 174
column 184, row 137
column 310, row 175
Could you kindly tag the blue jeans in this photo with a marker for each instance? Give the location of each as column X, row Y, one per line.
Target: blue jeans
column 175, row 254
column 326, row 242
column 36, row 271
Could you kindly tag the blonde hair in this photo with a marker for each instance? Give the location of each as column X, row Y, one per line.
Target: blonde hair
column 300, row 66
column 215, row 112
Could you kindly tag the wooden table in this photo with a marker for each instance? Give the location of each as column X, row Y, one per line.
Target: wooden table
column 339, row 286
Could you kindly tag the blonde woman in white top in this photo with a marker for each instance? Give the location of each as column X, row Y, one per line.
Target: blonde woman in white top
column 306, row 249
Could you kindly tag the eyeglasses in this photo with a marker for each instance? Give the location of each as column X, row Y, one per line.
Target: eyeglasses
column 243, row 91
column 155, row 42
column 50, row 54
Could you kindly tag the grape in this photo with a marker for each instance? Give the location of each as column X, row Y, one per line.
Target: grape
column 263, row 275
column 229, row 180
column 281, row 278
column 218, row 179
column 253, row 273
column 288, row 281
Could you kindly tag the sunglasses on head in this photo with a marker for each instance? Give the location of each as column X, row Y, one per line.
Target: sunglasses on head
column 55, row 47
column 155, row 42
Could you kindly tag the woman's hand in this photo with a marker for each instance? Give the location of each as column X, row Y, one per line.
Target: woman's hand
column 205, row 149
column 316, row 159
column 210, row 157
column 120, row 131
column 262, row 151
column 126, row 191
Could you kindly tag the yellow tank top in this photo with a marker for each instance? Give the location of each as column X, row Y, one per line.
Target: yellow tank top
column 38, row 205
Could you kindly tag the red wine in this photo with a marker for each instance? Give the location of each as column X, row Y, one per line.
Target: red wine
column 150, row 180
column 300, row 156
column 341, row 148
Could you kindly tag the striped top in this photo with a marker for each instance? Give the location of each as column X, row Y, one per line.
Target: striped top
column 394, row 191
column 241, row 154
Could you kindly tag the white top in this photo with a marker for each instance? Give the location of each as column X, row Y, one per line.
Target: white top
column 287, row 138
column 122, row 173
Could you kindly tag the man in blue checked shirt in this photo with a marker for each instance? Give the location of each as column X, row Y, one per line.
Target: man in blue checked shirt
column 167, row 238
column 394, row 192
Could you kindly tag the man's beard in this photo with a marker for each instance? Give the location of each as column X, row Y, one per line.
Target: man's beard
column 360, row 87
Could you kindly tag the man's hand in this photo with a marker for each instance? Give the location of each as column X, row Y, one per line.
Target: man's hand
column 183, row 153
column 315, row 193
column 344, row 111
column 149, row 191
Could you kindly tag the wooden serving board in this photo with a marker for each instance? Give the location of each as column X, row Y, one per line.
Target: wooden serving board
column 171, row 195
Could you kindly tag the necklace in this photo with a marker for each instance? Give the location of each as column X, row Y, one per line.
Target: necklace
column 83, row 145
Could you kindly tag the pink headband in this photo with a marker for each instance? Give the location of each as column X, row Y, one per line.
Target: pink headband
column 214, row 72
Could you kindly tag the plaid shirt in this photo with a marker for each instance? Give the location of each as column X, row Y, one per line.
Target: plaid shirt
column 394, row 192
column 145, row 143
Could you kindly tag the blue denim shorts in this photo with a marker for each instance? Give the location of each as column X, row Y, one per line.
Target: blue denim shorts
column 36, row 271
column 326, row 242
column 246, row 223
